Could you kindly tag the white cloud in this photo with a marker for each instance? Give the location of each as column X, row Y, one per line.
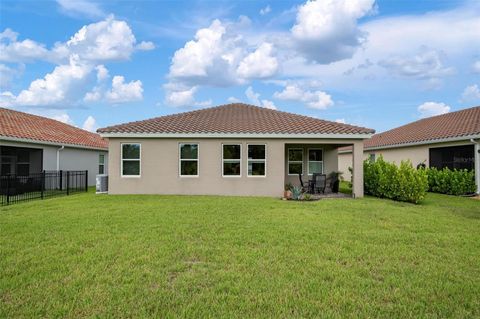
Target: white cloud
column 265, row 10
column 102, row 72
column 427, row 65
column 254, row 98
column 122, row 92
column 63, row 117
column 63, row 85
column 233, row 99
column 471, row 93
column 145, row 46
column 81, row 7
column 259, row 64
column 342, row 121
column 8, row 74
column 178, row 98
column 315, row 99
column 428, row 109
column 327, row 31
column 77, row 60
column 12, row 50
column 90, row 124
column 476, row 66
column 219, row 56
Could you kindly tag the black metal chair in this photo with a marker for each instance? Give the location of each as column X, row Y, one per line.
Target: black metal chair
column 305, row 189
column 319, row 182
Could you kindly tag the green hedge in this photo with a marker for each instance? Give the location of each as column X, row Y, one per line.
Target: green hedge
column 402, row 183
column 451, row 182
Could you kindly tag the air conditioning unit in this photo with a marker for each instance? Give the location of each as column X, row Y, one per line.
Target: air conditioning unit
column 102, row 184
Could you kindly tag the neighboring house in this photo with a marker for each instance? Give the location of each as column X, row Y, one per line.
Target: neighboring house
column 234, row 149
column 448, row 140
column 30, row 144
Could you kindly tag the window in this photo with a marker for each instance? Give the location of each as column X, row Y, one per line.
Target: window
column 295, row 161
column 232, row 160
column 257, row 160
column 101, row 164
column 315, row 161
column 131, row 160
column 189, row 160
column 372, row 157
column 453, row 157
column 23, row 162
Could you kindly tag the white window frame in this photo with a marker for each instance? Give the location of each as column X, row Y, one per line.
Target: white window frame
column 101, row 164
column 257, row 161
column 188, row 159
column 295, row 162
column 131, row 159
column 232, row 161
column 308, row 160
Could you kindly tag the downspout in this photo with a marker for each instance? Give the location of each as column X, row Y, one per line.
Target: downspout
column 58, row 156
column 476, row 150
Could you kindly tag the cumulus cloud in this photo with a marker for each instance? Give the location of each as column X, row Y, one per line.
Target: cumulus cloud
column 254, row 98
column 429, row 109
column 327, row 31
column 259, row 64
column 8, row 74
column 61, row 86
column 27, row 50
column 122, row 92
column 63, row 117
column 342, row 121
column 81, row 7
column 218, row 56
column 78, row 59
column 90, row 124
column 315, row 99
column 471, row 93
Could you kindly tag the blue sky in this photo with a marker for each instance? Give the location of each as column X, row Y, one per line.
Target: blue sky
column 378, row 64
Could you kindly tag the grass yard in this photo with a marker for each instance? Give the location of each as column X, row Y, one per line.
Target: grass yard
column 174, row 256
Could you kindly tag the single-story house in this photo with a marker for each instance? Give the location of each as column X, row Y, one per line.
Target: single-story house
column 30, row 144
column 234, row 149
column 450, row 140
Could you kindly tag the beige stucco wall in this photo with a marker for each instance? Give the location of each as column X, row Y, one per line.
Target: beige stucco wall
column 160, row 167
column 416, row 154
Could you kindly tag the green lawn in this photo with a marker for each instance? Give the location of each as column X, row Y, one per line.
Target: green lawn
column 92, row 255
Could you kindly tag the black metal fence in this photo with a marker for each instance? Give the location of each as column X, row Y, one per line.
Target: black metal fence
column 15, row 188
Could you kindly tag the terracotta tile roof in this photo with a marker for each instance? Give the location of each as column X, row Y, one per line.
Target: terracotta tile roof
column 16, row 124
column 236, row 118
column 451, row 125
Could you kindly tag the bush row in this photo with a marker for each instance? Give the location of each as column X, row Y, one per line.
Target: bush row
column 451, row 182
column 402, row 183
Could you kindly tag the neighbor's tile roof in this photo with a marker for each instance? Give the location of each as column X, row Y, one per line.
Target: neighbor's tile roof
column 236, row 118
column 21, row 125
column 451, row 125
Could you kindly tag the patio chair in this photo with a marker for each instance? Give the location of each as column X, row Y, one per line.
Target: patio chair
column 319, row 182
column 305, row 188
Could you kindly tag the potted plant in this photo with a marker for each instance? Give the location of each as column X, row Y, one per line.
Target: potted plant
column 287, row 193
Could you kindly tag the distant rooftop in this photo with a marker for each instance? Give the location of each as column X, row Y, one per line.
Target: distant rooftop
column 24, row 126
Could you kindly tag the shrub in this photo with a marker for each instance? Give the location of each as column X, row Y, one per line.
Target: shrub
column 402, row 183
column 451, row 182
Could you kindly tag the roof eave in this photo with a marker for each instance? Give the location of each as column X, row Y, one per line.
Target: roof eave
column 50, row 143
column 419, row 143
column 238, row 135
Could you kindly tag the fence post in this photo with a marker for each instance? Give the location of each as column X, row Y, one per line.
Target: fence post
column 42, row 186
column 86, row 180
column 8, row 189
column 61, row 179
column 68, row 182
